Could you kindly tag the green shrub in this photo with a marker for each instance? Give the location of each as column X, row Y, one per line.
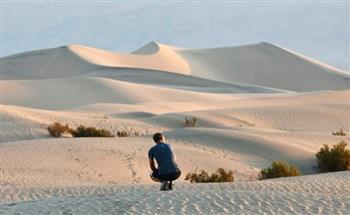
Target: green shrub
column 339, row 133
column 83, row 131
column 56, row 129
column 279, row 169
column 335, row 159
column 190, row 121
column 203, row 177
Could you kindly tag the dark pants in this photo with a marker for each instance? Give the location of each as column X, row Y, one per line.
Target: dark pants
column 166, row 177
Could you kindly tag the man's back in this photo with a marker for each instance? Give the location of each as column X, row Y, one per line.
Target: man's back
column 165, row 158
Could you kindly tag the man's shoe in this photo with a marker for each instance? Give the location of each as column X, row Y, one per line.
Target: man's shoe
column 164, row 185
column 170, row 186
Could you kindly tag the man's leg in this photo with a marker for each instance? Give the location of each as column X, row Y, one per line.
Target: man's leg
column 164, row 185
column 155, row 179
column 168, row 180
column 171, row 176
column 170, row 186
column 155, row 176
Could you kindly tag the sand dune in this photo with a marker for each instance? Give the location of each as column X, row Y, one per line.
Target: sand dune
column 267, row 65
column 102, row 161
column 271, row 127
column 317, row 194
column 48, row 63
column 255, row 104
column 179, row 81
column 63, row 93
column 260, row 64
column 152, row 56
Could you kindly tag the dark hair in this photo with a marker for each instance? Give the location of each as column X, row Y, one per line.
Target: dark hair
column 157, row 137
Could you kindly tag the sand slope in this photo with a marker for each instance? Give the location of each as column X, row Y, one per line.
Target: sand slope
column 267, row 65
column 260, row 64
column 255, row 104
column 48, row 63
column 268, row 127
column 153, row 56
column 317, row 194
column 63, row 93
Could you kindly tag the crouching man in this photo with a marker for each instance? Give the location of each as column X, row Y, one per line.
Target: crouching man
column 167, row 170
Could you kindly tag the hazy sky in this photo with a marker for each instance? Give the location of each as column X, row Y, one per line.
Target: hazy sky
column 316, row 29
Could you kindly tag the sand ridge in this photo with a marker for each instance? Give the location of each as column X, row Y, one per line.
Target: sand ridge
column 261, row 64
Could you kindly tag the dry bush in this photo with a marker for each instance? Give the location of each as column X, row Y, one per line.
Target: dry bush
column 123, row 133
column 339, row 133
column 335, row 159
column 203, row 177
column 127, row 133
column 56, row 129
column 191, row 121
column 83, row 131
column 279, row 169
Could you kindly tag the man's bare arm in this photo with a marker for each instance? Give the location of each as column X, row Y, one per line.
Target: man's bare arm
column 151, row 164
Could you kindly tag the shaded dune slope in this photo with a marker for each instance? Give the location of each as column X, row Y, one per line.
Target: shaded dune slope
column 74, row 92
column 267, row 65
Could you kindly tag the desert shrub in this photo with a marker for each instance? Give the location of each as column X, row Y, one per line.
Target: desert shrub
column 203, row 177
column 279, row 169
column 127, row 133
column 56, row 129
column 339, row 133
column 334, row 159
column 83, row 131
column 123, row 133
column 190, row 121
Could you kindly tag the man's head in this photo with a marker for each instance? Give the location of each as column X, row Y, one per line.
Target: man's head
column 158, row 137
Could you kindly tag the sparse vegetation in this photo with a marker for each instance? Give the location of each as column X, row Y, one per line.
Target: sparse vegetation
column 203, row 177
column 56, row 129
column 279, row 169
column 83, row 131
column 334, row 159
column 339, row 133
column 123, row 133
column 191, row 121
column 127, row 133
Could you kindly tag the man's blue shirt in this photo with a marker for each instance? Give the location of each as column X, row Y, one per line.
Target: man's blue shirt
column 165, row 158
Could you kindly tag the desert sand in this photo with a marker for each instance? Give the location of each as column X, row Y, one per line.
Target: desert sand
column 255, row 104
